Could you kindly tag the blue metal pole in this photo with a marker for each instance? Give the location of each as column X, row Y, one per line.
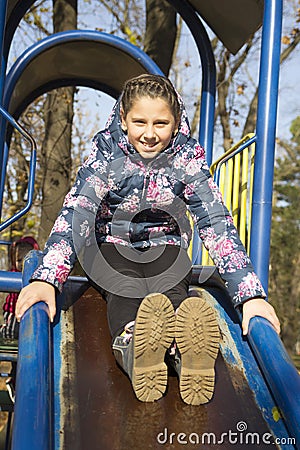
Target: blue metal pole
column 265, row 146
column 33, row 405
column 3, row 8
column 208, row 90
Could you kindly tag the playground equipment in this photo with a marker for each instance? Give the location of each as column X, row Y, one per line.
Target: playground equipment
column 70, row 394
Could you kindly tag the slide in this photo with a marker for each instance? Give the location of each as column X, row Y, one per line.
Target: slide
column 96, row 409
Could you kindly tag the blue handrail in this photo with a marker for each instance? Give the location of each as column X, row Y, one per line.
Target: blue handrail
column 32, row 166
column 279, row 371
column 226, row 157
column 33, row 404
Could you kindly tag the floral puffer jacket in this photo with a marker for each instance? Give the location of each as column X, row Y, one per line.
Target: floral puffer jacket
column 121, row 198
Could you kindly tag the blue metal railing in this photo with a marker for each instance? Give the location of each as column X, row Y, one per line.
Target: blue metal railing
column 3, row 8
column 32, row 167
column 265, row 144
column 10, row 281
column 216, row 167
column 3, row 64
column 279, row 372
column 33, row 406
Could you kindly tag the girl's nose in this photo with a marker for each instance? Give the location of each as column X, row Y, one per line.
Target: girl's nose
column 149, row 131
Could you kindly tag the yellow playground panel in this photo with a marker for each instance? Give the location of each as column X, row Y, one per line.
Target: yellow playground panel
column 233, row 172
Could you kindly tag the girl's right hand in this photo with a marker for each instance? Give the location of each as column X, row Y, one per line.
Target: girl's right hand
column 259, row 307
column 37, row 291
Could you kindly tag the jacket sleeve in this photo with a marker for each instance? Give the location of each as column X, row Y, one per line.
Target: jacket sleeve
column 74, row 229
column 217, row 231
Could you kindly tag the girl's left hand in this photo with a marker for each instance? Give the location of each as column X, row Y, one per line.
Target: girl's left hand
column 259, row 307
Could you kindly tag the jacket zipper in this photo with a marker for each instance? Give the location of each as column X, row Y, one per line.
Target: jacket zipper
column 146, row 184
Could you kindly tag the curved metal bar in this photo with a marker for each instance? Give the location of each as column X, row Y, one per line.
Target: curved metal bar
column 279, row 371
column 18, row 127
column 248, row 140
column 32, row 166
column 33, row 405
column 83, row 77
column 16, row 10
column 208, row 91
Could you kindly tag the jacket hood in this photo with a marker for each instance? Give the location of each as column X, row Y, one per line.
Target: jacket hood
column 113, row 126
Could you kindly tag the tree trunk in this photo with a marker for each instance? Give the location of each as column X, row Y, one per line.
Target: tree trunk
column 160, row 33
column 56, row 148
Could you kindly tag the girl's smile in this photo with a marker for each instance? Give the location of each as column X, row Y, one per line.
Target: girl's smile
column 150, row 126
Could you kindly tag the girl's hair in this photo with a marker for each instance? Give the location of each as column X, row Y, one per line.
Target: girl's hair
column 153, row 86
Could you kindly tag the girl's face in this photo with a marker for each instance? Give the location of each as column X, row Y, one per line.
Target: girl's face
column 150, row 126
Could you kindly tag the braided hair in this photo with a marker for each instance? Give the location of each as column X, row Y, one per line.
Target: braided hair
column 152, row 86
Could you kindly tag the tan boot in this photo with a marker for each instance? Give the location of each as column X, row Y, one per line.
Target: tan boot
column 143, row 357
column 197, row 337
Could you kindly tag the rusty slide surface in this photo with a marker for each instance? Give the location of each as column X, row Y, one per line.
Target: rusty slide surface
column 108, row 416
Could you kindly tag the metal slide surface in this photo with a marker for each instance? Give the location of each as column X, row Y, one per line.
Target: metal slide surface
column 96, row 409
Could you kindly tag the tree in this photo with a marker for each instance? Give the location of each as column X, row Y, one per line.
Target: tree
column 56, row 149
column 160, row 34
column 285, row 239
column 237, row 89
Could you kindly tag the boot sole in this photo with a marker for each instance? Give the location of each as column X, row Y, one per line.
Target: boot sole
column 197, row 337
column 153, row 333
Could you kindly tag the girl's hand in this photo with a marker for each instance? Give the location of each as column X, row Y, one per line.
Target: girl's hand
column 259, row 307
column 37, row 291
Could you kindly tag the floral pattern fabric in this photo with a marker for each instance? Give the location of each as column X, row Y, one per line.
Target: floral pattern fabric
column 119, row 197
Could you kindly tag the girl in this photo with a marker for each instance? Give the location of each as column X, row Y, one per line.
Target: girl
column 125, row 220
